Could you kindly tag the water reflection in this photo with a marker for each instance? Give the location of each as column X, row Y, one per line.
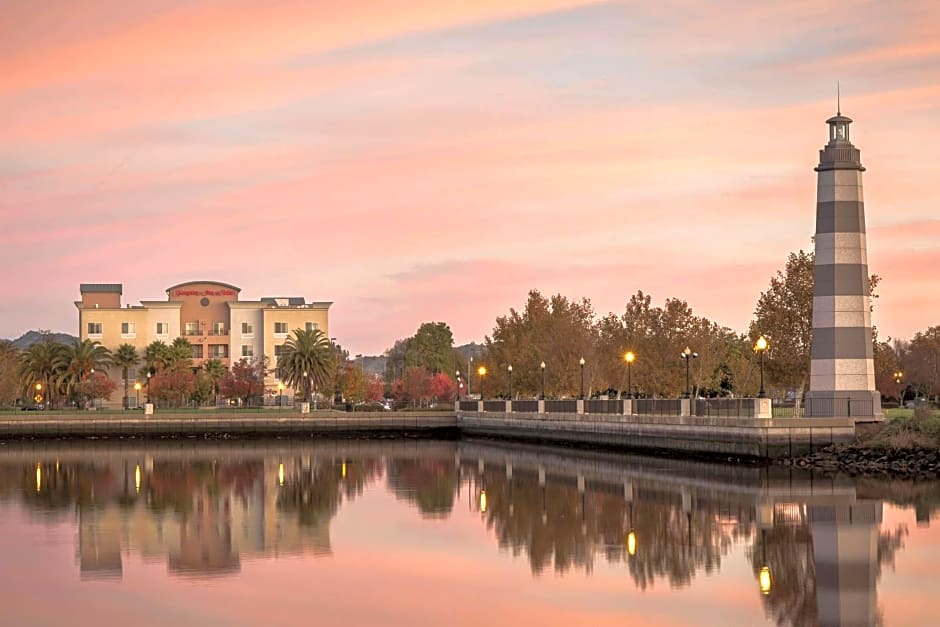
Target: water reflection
column 816, row 547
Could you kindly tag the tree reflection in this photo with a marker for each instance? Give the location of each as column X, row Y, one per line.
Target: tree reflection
column 430, row 484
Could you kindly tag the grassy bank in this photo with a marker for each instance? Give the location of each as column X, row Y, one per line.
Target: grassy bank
column 903, row 429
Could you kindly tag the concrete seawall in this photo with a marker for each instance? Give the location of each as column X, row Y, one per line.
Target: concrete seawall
column 746, row 437
column 742, row 437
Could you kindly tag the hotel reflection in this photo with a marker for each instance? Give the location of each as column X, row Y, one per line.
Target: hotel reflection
column 816, row 546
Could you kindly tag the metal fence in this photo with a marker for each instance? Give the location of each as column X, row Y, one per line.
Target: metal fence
column 568, row 406
column 494, row 406
column 724, row 407
column 525, row 406
column 839, row 407
column 468, row 406
column 658, row 406
column 603, row 406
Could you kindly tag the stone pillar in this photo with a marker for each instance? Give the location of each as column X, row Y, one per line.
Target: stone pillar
column 685, row 407
column 580, row 406
column 541, row 406
column 148, row 409
column 762, row 408
column 842, row 371
column 628, row 407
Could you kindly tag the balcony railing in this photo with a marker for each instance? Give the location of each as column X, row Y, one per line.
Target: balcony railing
column 218, row 332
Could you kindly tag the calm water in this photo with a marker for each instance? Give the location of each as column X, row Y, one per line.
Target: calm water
column 446, row 533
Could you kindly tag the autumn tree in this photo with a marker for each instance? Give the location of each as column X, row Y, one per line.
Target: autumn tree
column 784, row 315
column 557, row 331
column 353, row 383
column 442, row 387
column 414, row 387
column 244, row 381
column 922, row 362
column 375, row 389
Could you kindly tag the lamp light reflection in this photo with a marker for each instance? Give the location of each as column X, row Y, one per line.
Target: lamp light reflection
column 38, row 477
column 765, row 580
column 631, row 543
column 482, row 501
column 137, row 478
column 280, row 474
column 344, row 470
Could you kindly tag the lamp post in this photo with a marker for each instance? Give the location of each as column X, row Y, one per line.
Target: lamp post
column 482, row 372
column 509, row 370
column 93, row 389
column 137, row 389
column 581, row 395
column 458, row 386
column 898, row 375
column 37, row 398
column 761, row 348
column 306, row 387
column 280, row 394
column 469, row 370
column 687, row 354
column 148, row 387
column 629, row 357
column 542, row 366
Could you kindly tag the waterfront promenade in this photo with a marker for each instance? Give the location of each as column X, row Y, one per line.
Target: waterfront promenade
column 718, row 436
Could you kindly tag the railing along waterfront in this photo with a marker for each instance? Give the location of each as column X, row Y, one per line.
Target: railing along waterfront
column 658, row 406
column 499, row 406
column 724, row 407
column 603, row 406
column 528, row 406
column 469, row 406
column 565, row 406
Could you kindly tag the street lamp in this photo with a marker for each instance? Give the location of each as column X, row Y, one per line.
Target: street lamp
column 761, row 348
column 482, row 372
column 687, row 354
column 509, row 369
column 137, row 389
column 306, row 387
column 37, row 398
column 459, row 385
column 581, row 396
column 148, row 387
column 629, row 357
column 542, row 366
column 93, row 388
column 280, row 393
column 898, row 375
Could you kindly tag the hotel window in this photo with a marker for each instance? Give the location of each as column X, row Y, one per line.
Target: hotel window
column 192, row 328
column 218, row 351
column 248, row 350
column 163, row 328
column 247, row 329
column 94, row 328
column 197, row 351
column 312, row 326
column 128, row 329
column 218, row 328
column 278, row 350
column 280, row 328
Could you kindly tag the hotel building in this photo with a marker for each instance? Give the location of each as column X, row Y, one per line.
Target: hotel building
column 207, row 313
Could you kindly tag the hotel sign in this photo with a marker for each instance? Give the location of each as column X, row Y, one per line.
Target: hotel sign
column 203, row 293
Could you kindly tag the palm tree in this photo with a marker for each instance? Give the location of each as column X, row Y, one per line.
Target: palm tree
column 214, row 371
column 306, row 358
column 181, row 354
column 125, row 357
column 84, row 357
column 43, row 363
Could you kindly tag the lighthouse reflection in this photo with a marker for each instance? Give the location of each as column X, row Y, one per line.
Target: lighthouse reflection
column 815, row 547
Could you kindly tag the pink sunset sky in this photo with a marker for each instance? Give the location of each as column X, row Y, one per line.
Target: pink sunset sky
column 418, row 160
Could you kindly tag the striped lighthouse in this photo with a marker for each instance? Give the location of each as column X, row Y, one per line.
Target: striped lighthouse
column 842, row 371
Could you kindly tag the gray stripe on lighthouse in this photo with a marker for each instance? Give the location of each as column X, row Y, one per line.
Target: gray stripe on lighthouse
column 840, row 279
column 846, row 216
column 842, row 343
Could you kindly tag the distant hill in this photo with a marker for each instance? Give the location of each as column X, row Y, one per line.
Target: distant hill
column 33, row 337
